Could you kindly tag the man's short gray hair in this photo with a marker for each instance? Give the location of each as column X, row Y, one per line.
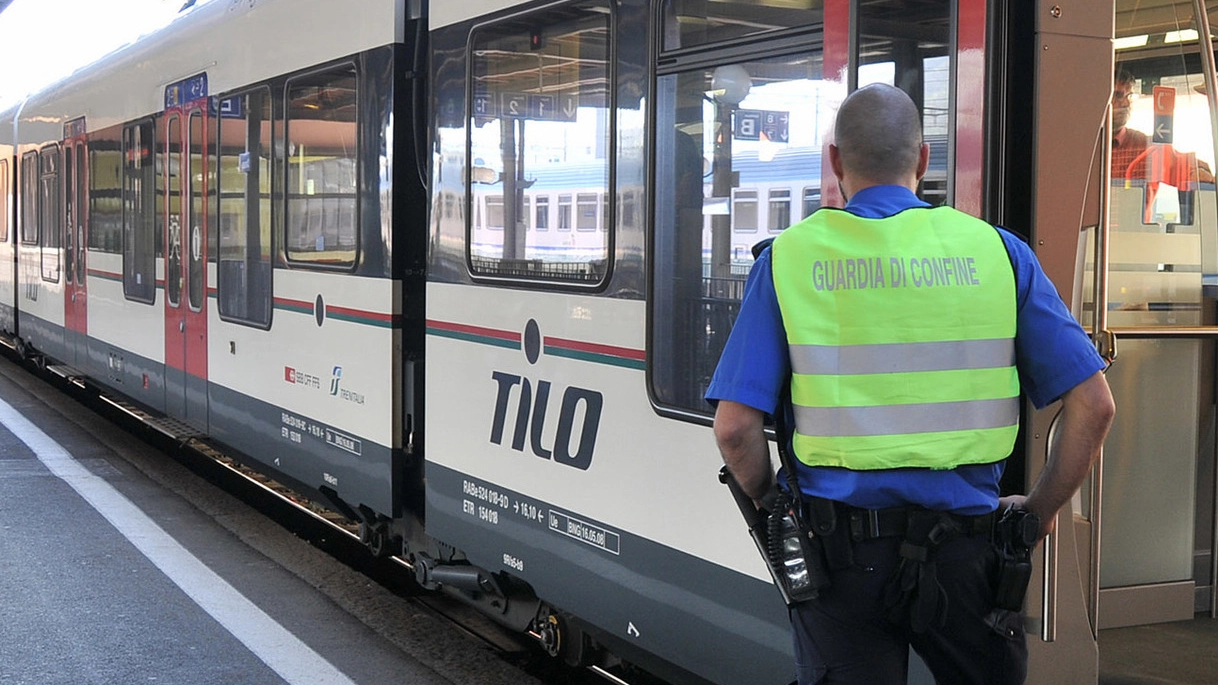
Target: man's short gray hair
column 879, row 134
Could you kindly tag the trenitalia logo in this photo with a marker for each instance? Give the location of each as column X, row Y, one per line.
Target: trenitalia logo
column 338, row 375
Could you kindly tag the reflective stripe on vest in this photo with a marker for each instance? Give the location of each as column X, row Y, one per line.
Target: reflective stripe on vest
column 902, row 339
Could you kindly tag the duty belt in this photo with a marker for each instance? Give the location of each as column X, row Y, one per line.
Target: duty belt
column 868, row 524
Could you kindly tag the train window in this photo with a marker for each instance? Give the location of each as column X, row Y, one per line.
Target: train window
column 245, row 171
column 322, row 168
column 196, row 188
column 106, row 191
column 690, row 23
column 141, row 191
column 29, row 198
column 541, row 120
column 715, row 159
column 494, row 212
column 779, row 215
column 541, row 219
column 811, row 201
column 919, row 63
column 744, row 210
column 585, row 212
column 4, row 195
column 564, row 212
column 50, row 210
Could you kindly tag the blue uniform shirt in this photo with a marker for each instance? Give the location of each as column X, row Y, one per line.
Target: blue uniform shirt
column 1052, row 353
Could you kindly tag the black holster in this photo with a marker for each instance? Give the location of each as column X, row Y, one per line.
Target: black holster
column 1015, row 536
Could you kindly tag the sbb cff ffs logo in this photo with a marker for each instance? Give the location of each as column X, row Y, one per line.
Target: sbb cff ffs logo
column 530, row 419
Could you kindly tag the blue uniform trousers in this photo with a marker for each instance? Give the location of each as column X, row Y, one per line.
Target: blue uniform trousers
column 845, row 637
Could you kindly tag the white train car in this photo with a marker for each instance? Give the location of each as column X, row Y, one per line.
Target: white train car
column 205, row 229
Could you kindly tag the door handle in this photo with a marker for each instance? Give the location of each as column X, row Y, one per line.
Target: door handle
column 181, row 326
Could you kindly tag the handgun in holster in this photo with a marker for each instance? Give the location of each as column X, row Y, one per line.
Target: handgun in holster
column 1015, row 535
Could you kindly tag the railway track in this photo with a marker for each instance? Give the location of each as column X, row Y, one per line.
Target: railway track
column 323, row 528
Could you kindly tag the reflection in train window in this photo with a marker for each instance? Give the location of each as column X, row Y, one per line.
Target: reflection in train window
column 106, row 190
column 917, row 62
column 29, row 198
column 143, row 198
column 245, row 151
column 49, row 210
column 322, row 174
column 540, row 124
column 731, row 140
column 494, row 212
column 4, row 189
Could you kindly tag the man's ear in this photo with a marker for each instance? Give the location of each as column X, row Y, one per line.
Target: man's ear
column 835, row 160
column 923, row 160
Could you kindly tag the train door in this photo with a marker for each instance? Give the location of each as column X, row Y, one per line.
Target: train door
column 1158, row 282
column 186, row 168
column 75, row 171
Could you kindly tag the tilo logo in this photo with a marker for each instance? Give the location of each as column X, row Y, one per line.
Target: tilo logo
column 338, row 376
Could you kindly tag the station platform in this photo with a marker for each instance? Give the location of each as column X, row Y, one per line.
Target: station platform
column 118, row 565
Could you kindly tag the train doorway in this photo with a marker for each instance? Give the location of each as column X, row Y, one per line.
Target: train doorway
column 186, row 172
column 1159, row 286
column 76, row 170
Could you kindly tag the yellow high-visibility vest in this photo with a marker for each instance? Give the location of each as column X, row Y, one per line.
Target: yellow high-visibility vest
column 902, row 339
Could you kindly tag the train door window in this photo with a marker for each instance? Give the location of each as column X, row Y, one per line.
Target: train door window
column 49, row 210
column 779, row 215
column 914, row 55
column 5, row 193
column 29, row 198
column 196, row 184
column 142, row 191
column 811, row 201
column 78, row 224
column 173, row 193
column 322, row 125
column 744, row 210
column 245, row 166
column 585, row 212
column 69, row 213
column 541, row 218
column 106, row 190
column 541, row 119
column 731, row 124
column 564, row 212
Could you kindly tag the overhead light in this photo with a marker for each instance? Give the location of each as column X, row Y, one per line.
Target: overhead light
column 1130, row 42
column 1180, row 36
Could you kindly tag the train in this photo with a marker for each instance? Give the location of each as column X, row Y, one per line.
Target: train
column 461, row 272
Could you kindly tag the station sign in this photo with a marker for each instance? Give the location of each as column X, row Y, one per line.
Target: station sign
column 186, row 91
column 1165, row 108
column 752, row 124
column 536, row 106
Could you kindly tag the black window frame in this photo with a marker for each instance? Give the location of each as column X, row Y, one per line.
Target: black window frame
column 143, row 224
column 272, row 148
column 349, row 66
column 50, row 238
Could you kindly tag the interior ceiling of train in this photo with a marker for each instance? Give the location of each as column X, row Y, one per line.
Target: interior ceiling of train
column 1151, row 17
